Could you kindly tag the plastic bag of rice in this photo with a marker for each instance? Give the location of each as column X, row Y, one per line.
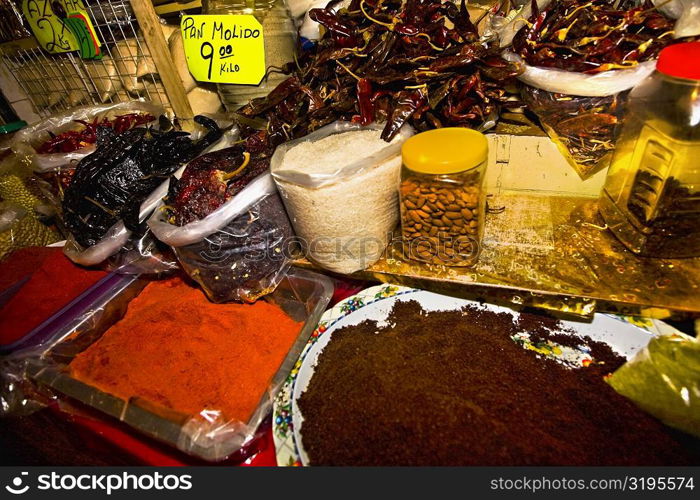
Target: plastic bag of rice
column 340, row 188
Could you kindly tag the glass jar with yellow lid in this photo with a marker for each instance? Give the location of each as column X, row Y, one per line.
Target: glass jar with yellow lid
column 442, row 197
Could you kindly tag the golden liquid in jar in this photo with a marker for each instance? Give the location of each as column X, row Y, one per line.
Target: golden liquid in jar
column 651, row 199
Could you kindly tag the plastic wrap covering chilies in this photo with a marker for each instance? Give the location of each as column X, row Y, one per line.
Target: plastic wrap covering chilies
column 27, row 140
column 572, row 83
column 687, row 13
column 123, row 250
column 583, row 128
column 238, row 252
column 664, row 380
column 580, row 112
column 343, row 215
column 39, row 374
column 131, row 253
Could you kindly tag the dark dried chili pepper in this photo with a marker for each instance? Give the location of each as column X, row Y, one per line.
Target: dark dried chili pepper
column 288, row 87
column 463, row 24
column 406, row 104
column 364, row 100
column 111, row 183
column 73, row 140
column 330, row 21
column 467, row 56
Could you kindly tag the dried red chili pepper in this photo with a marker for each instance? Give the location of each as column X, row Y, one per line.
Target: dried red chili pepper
column 364, row 95
column 72, row 140
column 329, row 20
column 593, row 35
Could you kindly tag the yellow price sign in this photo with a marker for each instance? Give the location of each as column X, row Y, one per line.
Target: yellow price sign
column 52, row 34
column 224, row 48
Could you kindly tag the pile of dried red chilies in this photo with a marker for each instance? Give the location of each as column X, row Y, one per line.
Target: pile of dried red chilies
column 591, row 36
column 72, row 140
column 414, row 61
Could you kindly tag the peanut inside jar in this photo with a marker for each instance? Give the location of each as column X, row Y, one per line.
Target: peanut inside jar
column 441, row 195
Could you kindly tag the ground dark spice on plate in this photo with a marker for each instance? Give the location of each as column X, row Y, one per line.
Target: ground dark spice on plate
column 452, row 388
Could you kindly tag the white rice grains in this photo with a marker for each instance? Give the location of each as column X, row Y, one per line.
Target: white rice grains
column 346, row 224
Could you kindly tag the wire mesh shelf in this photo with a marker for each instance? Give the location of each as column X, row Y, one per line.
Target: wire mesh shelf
column 56, row 82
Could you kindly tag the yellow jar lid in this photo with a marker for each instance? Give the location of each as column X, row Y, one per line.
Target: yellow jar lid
column 445, row 151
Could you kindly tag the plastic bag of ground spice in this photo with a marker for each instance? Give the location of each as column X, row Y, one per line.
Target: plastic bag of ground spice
column 664, row 380
column 240, row 251
column 31, row 141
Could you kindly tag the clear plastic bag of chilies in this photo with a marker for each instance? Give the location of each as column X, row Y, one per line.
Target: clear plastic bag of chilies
column 29, row 140
column 239, row 252
column 578, row 60
column 580, row 112
column 136, row 250
column 583, row 128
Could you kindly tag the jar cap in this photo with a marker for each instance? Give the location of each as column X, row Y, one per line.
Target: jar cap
column 445, row 150
column 681, row 60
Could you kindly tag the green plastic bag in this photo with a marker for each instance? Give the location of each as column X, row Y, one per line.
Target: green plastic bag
column 664, row 380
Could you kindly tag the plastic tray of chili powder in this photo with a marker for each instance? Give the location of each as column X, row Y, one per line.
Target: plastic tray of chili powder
column 204, row 393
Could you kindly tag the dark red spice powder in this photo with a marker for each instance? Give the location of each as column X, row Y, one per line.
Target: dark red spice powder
column 21, row 264
column 447, row 388
column 51, row 287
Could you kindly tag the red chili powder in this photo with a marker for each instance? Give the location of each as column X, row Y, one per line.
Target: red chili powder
column 55, row 281
column 176, row 349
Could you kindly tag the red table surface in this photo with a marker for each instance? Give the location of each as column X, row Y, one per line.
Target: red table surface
column 148, row 452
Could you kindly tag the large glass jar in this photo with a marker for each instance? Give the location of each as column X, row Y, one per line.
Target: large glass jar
column 279, row 35
column 442, row 197
column 651, row 197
